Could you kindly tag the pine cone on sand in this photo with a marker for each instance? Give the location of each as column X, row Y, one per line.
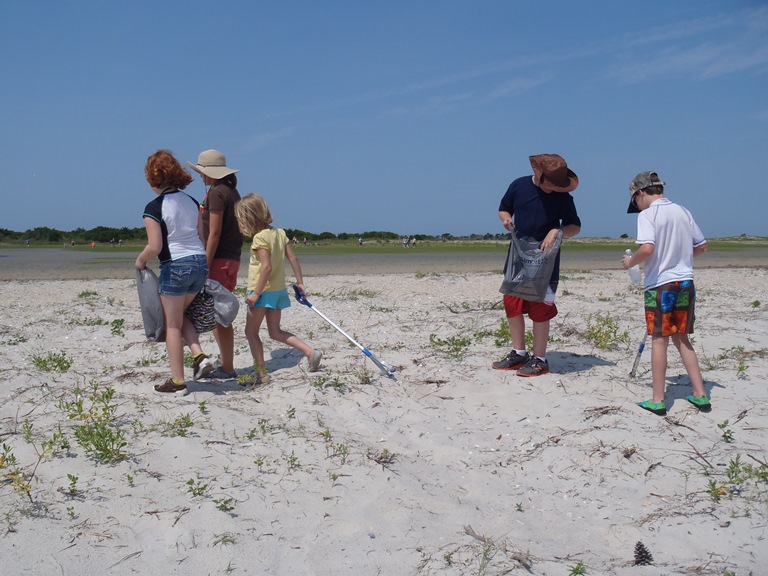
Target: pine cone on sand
column 642, row 555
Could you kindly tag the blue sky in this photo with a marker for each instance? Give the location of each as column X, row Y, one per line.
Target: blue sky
column 411, row 117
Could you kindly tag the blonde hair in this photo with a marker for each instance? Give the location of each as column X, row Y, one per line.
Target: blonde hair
column 252, row 214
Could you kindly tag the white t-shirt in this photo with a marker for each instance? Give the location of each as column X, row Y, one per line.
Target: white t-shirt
column 674, row 234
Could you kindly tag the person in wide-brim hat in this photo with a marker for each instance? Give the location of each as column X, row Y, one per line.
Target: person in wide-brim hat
column 551, row 173
column 213, row 164
column 223, row 243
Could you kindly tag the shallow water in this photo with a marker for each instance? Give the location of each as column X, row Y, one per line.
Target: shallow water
column 61, row 263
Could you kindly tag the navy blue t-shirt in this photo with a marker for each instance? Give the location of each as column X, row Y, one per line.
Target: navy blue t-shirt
column 536, row 212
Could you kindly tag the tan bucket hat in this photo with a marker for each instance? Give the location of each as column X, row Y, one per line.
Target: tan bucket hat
column 213, row 164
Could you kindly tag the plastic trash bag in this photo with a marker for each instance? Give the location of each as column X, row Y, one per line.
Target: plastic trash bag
column 151, row 307
column 226, row 305
column 529, row 268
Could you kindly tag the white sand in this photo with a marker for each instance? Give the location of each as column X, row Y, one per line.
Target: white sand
column 490, row 471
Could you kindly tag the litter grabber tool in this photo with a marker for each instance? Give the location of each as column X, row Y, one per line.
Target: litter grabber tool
column 638, row 355
column 386, row 370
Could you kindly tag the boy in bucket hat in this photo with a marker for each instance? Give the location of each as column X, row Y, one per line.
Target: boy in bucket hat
column 669, row 239
column 538, row 207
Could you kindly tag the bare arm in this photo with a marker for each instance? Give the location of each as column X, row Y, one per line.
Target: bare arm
column 215, row 222
column 699, row 250
column 641, row 255
column 506, row 220
column 266, row 270
column 569, row 231
column 294, row 261
column 154, row 243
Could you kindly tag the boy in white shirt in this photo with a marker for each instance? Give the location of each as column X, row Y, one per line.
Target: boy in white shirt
column 669, row 239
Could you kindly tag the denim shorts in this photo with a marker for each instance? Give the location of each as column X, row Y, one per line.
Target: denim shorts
column 183, row 276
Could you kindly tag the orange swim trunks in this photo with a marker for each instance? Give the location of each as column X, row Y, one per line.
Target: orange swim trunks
column 669, row 308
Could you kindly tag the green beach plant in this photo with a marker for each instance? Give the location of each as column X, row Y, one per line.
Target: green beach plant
column 52, row 362
column 453, row 347
column 604, row 333
column 98, row 432
column 117, row 327
column 578, row 570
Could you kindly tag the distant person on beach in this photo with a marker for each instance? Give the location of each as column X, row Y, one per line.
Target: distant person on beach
column 223, row 243
column 267, row 293
column 538, row 207
column 669, row 239
column 93, row 244
column 174, row 234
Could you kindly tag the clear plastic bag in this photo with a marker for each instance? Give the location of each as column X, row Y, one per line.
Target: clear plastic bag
column 529, row 268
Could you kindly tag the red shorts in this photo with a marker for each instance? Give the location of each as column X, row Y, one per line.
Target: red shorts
column 537, row 311
column 224, row 271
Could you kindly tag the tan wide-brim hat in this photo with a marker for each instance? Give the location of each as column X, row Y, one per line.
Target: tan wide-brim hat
column 213, row 164
column 551, row 170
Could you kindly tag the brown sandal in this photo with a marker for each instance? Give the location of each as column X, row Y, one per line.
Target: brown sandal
column 169, row 386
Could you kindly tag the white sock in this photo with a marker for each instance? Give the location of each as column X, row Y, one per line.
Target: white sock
column 520, row 352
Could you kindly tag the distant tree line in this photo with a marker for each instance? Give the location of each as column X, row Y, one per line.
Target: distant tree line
column 43, row 234
column 103, row 234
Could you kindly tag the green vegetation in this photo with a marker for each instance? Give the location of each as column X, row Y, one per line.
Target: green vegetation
column 603, row 332
column 129, row 239
column 97, row 432
column 52, row 362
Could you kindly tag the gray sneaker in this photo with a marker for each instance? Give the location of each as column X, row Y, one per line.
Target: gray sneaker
column 314, row 362
column 511, row 361
column 202, row 367
column 219, row 373
column 534, row 367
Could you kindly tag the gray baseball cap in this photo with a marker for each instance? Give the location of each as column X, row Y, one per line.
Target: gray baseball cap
column 640, row 182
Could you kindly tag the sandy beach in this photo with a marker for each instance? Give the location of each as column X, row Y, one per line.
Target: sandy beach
column 453, row 469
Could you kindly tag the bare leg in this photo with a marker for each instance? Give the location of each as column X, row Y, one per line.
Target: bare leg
column 659, row 345
column 691, row 363
column 277, row 333
column 225, row 338
column 517, row 331
column 252, row 326
column 540, row 338
column 191, row 337
column 173, row 309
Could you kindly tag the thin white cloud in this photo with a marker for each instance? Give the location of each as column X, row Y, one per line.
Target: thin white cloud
column 433, row 106
column 693, row 49
column 539, row 61
column 260, row 141
column 516, row 86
